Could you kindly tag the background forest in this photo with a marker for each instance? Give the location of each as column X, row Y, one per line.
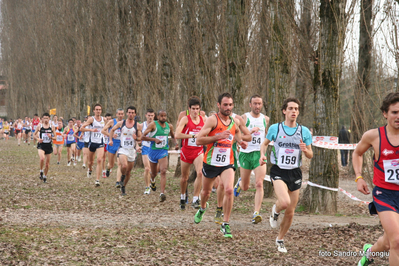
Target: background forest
column 157, row 53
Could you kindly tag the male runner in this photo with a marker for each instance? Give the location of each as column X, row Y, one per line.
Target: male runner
column 385, row 142
column 6, row 130
column 18, row 125
column 44, row 134
column 79, row 141
column 116, row 140
column 218, row 134
column 145, row 149
column 108, row 117
column 59, row 141
column 256, row 122
column 191, row 153
column 96, row 144
column 69, row 134
column 86, row 139
column 130, row 134
column 159, row 132
column 35, row 122
column 28, row 130
column 291, row 140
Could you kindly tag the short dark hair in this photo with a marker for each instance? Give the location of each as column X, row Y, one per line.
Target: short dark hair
column 35, row 115
column 161, row 111
column 70, row 119
column 131, row 108
column 97, row 104
column 221, row 96
column 390, row 99
column 150, row 110
column 194, row 101
column 288, row 100
column 107, row 114
column 254, row 96
column 46, row 114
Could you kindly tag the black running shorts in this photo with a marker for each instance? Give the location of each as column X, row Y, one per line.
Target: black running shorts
column 210, row 171
column 292, row 178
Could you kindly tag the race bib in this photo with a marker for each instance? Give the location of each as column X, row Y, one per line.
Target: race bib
column 128, row 142
column 288, row 158
column 192, row 141
column 97, row 137
column 118, row 133
column 70, row 138
column 164, row 142
column 391, row 171
column 220, row 156
column 59, row 138
column 46, row 137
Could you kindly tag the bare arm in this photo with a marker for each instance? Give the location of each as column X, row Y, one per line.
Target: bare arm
column 172, row 134
column 179, row 135
column 357, row 157
column 263, row 148
column 202, row 136
column 85, row 124
column 109, row 124
column 111, row 133
column 151, row 127
column 246, row 135
column 307, row 150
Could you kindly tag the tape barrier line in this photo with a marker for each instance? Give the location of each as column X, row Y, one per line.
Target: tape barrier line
column 267, row 178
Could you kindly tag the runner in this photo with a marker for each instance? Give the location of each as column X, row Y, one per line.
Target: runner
column 290, row 141
column 59, row 141
column 385, row 142
column 96, row 144
column 157, row 132
column 130, row 133
column 256, row 122
column 69, row 133
column 35, row 122
column 80, row 142
column 191, row 153
column 28, row 129
column 44, row 134
column 116, row 140
column 145, row 149
column 108, row 117
column 54, row 122
column 18, row 125
column 218, row 134
column 86, row 139
column 6, row 130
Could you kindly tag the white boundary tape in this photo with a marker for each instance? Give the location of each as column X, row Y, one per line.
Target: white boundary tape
column 267, row 178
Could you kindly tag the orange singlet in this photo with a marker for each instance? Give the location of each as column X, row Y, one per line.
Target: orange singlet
column 220, row 153
column 59, row 137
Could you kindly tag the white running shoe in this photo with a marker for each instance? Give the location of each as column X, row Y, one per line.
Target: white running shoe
column 280, row 246
column 69, row 163
column 147, row 191
column 274, row 217
column 79, row 159
column 88, row 173
column 84, row 166
column 74, row 163
column 97, row 183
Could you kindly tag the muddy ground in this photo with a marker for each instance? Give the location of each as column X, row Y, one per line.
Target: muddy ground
column 68, row 221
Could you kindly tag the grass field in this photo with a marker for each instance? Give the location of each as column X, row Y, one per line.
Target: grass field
column 68, row 221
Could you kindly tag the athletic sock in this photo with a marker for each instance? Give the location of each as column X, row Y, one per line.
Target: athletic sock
column 41, row 171
column 195, row 198
column 182, row 196
column 219, row 208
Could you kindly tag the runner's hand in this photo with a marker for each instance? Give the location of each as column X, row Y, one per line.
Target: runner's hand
column 263, row 160
column 158, row 141
column 110, row 143
column 255, row 129
column 362, row 186
column 243, row 144
column 40, row 140
column 177, row 147
column 302, row 145
column 224, row 135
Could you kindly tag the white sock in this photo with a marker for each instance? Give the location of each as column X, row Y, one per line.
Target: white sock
column 41, row 171
column 195, row 198
column 182, row 196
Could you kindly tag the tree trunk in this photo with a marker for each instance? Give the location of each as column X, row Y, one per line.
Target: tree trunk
column 324, row 165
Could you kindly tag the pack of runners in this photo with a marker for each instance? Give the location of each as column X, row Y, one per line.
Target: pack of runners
column 215, row 146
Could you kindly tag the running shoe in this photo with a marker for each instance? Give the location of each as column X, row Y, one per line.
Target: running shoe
column 280, row 246
column 88, row 173
column 196, row 204
column 84, row 166
column 69, row 163
column 213, row 190
column 256, row 218
column 225, row 229
column 364, row 261
column 74, row 163
column 219, row 216
column 104, row 174
column 162, row 197
column 147, row 190
column 237, row 188
column 44, row 179
column 97, row 183
column 41, row 175
column 274, row 217
column 118, row 185
column 123, row 191
column 79, row 159
column 107, row 173
column 198, row 216
column 153, row 186
column 187, row 195
column 58, row 162
column 182, row 204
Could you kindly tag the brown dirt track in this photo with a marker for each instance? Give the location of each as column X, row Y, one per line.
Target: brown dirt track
column 70, row 222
